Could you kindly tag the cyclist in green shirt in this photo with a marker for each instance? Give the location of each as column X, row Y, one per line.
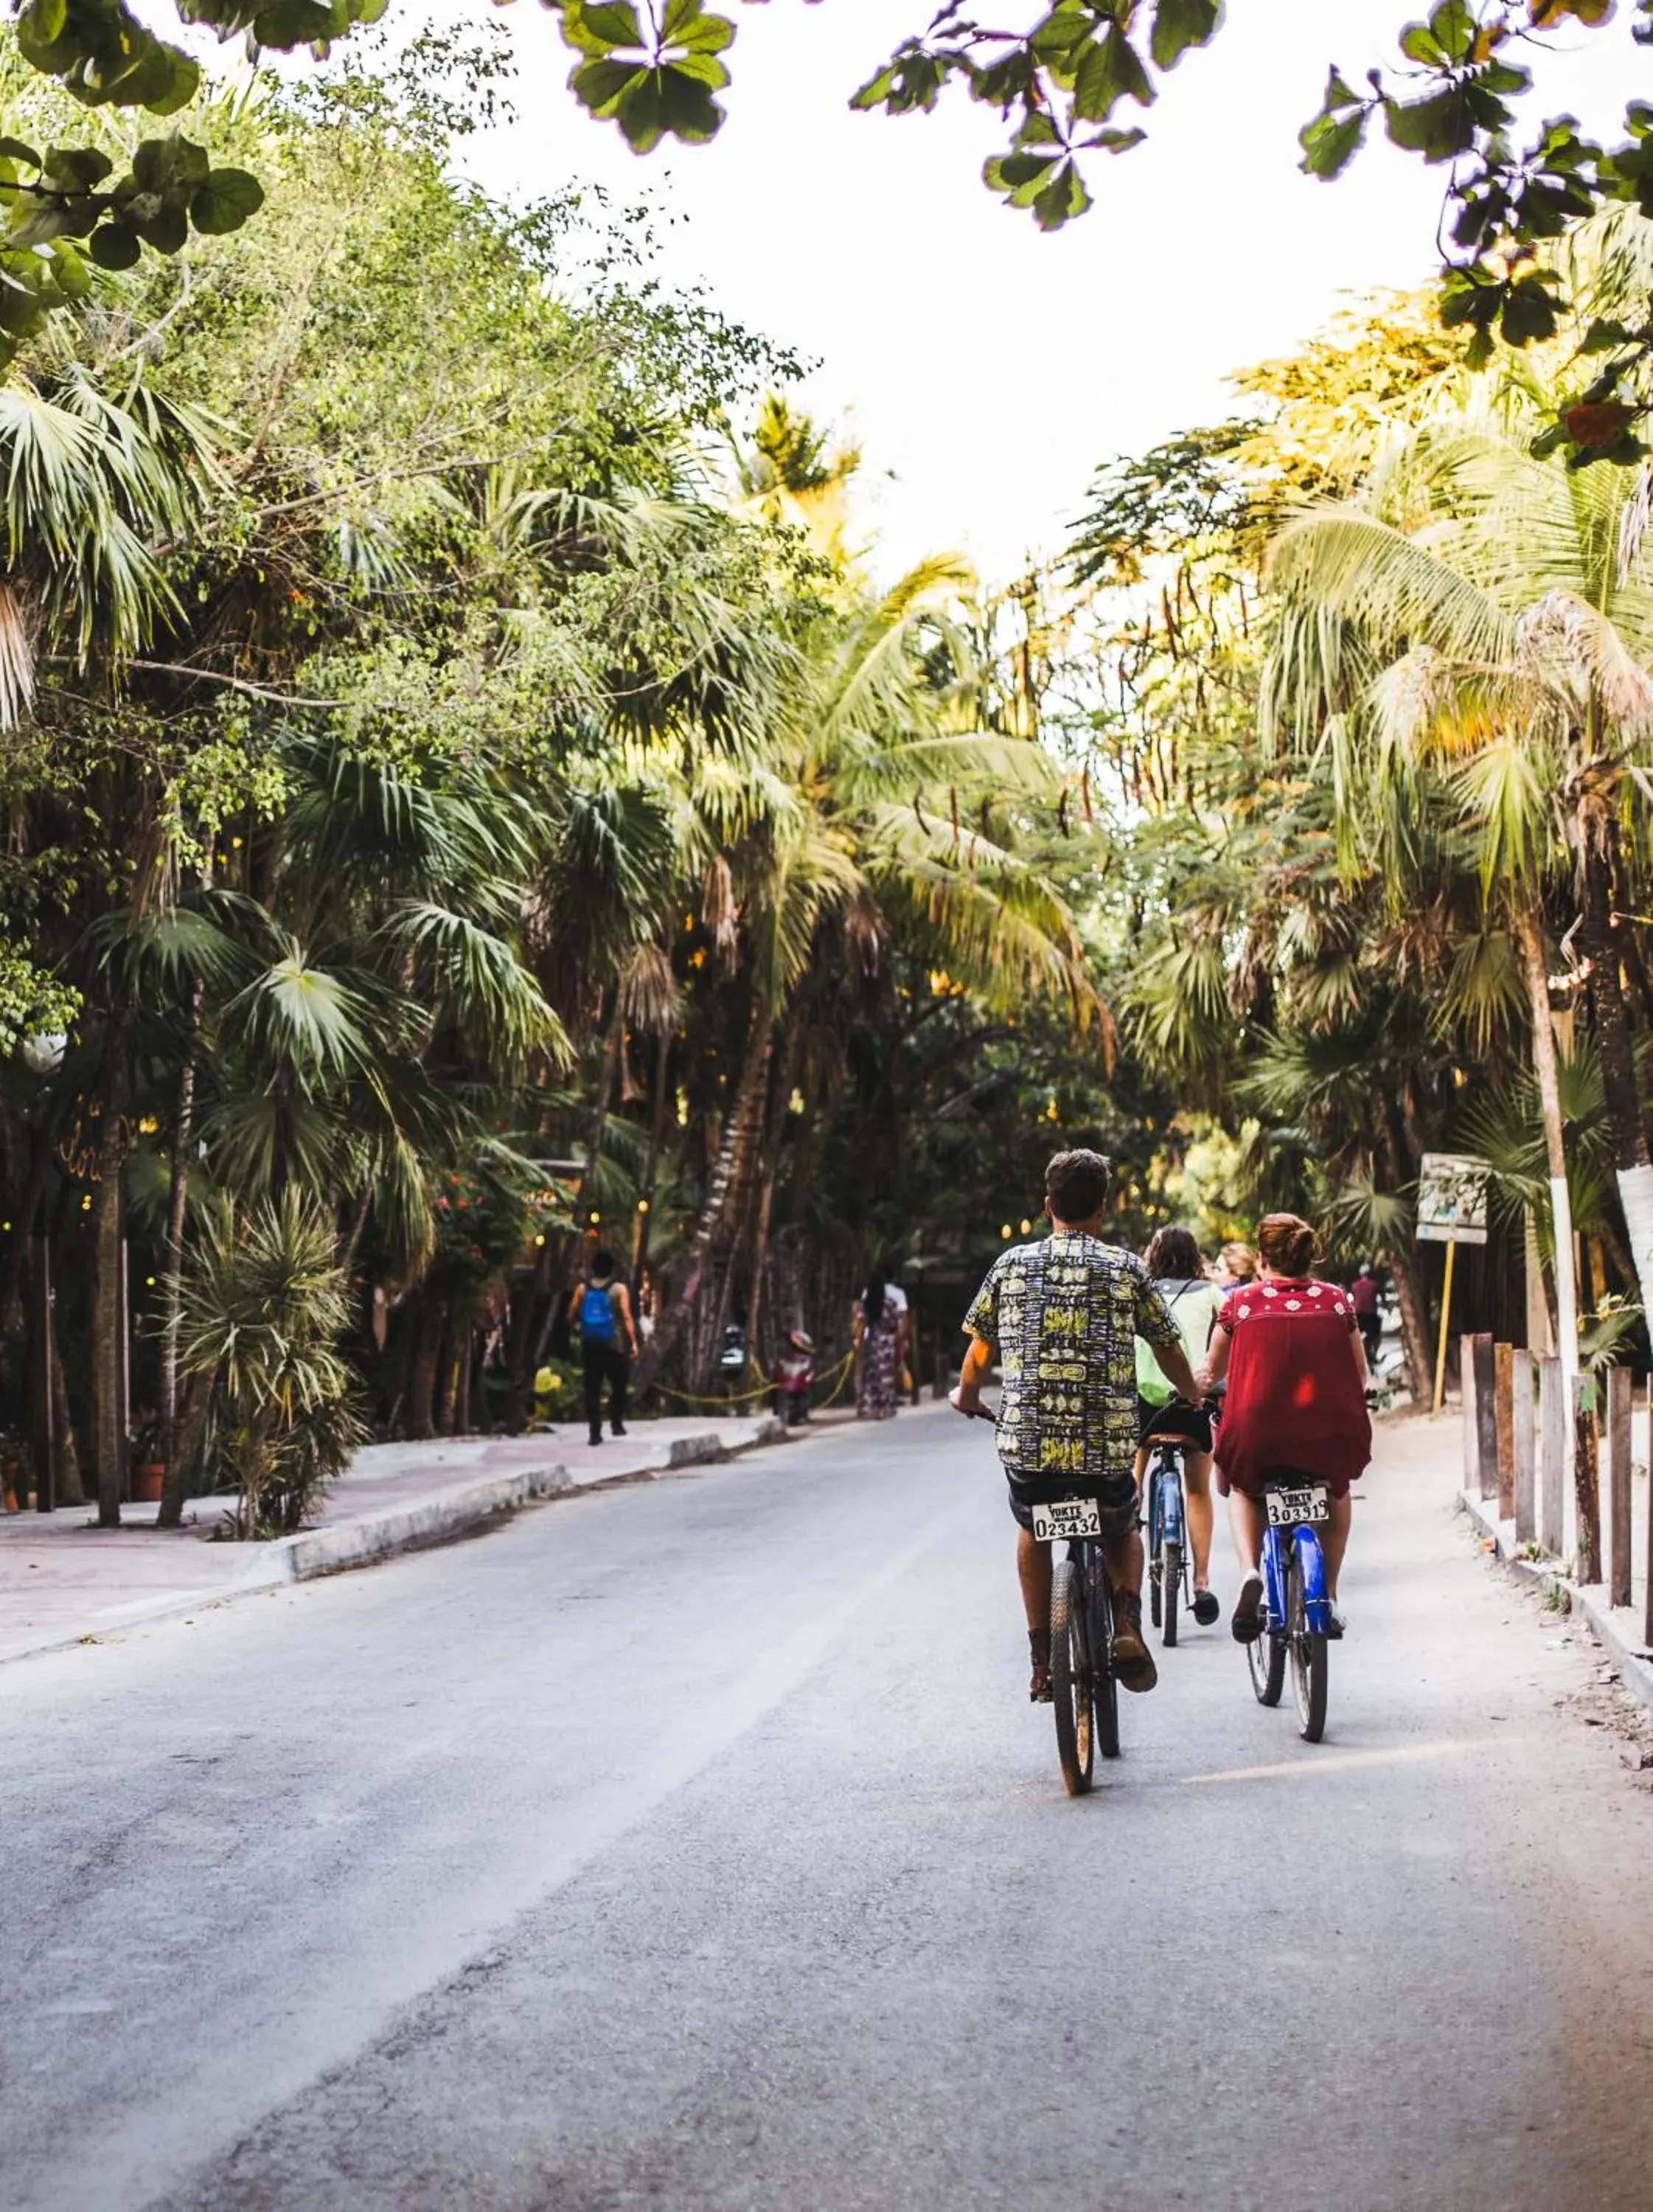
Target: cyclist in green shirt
column 1178, row 1272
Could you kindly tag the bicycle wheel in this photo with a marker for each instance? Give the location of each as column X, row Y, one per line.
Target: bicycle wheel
column 1173, row 1590
column 1070, row 1678
column 1266, row 1656
column 1156, row 1555
column 1308, row 1661
column 1104, row 1685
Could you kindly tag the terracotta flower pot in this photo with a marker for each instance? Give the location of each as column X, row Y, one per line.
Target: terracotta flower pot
column 147, row 1483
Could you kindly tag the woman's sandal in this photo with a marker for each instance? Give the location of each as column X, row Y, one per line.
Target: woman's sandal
column 1205, row 1608
column 1039, row 1691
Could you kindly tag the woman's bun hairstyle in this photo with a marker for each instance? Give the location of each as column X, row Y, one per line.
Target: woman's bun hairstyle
column 1288, row 1244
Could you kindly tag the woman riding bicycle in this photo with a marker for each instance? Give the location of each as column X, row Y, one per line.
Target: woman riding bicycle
column 1174, row 1264
column 1296, row 1370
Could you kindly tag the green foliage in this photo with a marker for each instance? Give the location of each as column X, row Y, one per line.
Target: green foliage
column 265, row 1305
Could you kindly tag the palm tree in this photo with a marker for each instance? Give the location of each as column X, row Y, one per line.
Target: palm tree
column 1483, row 617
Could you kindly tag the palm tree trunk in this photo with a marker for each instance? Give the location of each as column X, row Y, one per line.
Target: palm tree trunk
column 728, row 1172
column 1529, row 934
column 67, row 1486
column 109, row 1299
column 1395, row 1146
column 358, row 1230
column 1598, row 846
column 172, row 1308
column 652, row 1171
column 768, row 1173
column 422, row 1374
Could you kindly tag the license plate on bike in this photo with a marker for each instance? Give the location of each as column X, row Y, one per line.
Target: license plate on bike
column 1290, row 1508
column 1068, row 1518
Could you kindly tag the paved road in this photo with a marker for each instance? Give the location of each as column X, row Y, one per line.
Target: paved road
column 692, row 1846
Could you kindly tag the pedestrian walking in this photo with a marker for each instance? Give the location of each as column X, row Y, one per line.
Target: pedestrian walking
column 601, row 1308
column 878, row 1330
column 1368, row 1312
column 1237, row 1263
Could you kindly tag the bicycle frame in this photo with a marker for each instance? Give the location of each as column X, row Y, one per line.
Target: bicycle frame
column 1311, row 1573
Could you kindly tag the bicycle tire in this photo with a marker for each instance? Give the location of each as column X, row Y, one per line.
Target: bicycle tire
column 1173, row 1591
column 1104, row 1683
column 1070, row 1678
column 1309, row 1662
column 1266, row 1656
column 1155, row 1556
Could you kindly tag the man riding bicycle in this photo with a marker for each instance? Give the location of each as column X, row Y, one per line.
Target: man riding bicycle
column 1063, row 1314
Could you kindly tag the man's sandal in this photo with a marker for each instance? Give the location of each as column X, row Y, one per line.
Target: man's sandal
column 1039, row 1691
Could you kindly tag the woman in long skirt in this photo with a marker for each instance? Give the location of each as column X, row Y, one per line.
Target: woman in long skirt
column 877, row 1328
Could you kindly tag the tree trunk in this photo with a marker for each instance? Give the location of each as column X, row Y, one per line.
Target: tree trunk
column 422, row 1373
column 1587, row 1492
column 1606, row 988
column 728, row 1172
column 1598, row 855
column 1529, row 934
column 70, row 1491
column 109, row 1300
column 600, row 1111
column 1410, row 1294
column 768, row 1173
column 358, row 1230
column 172, row 1307
column 651, row 1170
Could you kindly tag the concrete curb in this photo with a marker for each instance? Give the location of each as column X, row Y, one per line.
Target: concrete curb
column 1610, row 1625
column 438, row 1517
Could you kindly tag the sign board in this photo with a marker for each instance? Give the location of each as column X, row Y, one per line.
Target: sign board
column 1452, row 1199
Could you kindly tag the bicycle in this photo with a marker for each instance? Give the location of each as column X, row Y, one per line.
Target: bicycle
column 1083, row 1687
column 1298, row 1607
column 1169, row 1574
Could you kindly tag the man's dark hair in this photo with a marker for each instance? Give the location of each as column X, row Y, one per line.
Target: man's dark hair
column 602, row 1262
column 1076, row 1184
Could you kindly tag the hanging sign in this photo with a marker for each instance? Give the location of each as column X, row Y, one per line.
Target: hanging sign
column 1452, row 1199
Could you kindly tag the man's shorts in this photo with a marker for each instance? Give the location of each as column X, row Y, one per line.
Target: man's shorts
column 1116, row 1496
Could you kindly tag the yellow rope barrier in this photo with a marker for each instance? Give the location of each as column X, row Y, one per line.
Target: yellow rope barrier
column 762, row 1391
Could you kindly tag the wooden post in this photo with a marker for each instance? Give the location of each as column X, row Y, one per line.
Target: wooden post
column 1553, row 1427
column 1467, row 1399
column 1586, row 1483
column 1526, row 1446
column 1504, row 1411
column 1446, row 1323
column 1487, row 1413
column 1620, row 1388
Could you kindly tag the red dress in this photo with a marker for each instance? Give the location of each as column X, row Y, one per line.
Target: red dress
column 1294, row 1399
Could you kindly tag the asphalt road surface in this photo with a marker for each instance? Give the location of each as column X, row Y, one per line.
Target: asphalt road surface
column 693, row 1846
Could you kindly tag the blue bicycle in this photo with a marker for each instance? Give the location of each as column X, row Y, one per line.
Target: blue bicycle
column 1169, row 1572
column 1298, row 1616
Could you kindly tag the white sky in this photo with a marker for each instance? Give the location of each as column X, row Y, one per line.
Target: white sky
column 986, row 367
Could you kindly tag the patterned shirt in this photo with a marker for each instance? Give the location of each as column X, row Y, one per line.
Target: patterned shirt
column 1063, row 1314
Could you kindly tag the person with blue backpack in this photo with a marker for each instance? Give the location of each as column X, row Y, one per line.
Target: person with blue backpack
column 601, row 1309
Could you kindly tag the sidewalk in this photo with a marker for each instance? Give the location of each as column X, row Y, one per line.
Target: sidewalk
column 1618, row 1627
column 65, row 1581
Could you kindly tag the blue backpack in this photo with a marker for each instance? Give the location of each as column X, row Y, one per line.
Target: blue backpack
column 597, row 1315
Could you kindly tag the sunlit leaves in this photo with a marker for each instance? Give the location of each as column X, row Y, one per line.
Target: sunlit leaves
column 652, row 70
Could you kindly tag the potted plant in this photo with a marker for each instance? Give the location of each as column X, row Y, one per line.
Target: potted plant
column 148, row 1464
